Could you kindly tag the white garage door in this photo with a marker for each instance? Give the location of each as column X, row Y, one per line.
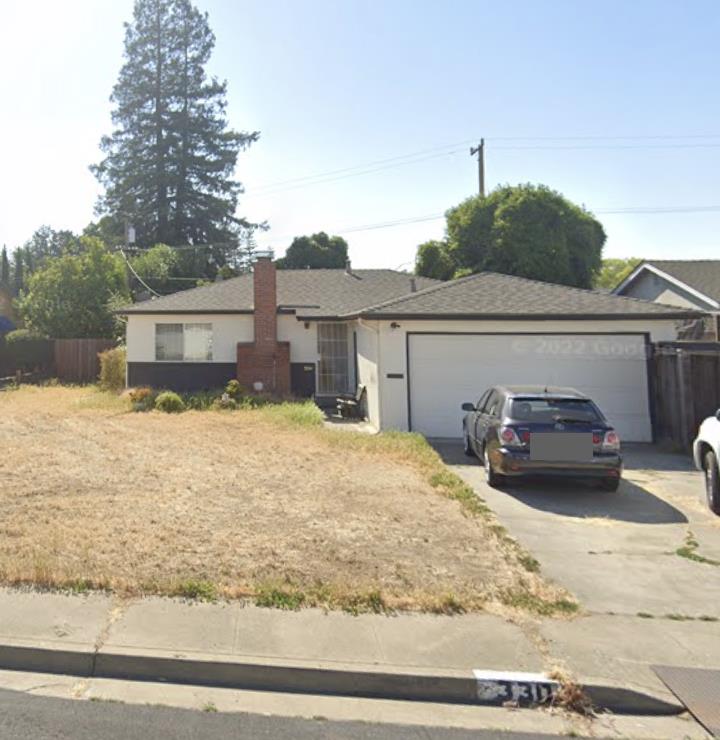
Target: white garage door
column 447, row 369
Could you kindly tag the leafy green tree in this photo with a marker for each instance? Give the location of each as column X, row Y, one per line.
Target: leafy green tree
column 169, row 163
column 46, row 243
column 316, row 251
column 4, row 269
column 433, row 261
column 109, row 230
column 525, row 230
column 71, row 295
column 156, row 267
column 614, row 270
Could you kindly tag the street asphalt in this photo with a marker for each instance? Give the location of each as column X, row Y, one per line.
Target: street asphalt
column 23, row 716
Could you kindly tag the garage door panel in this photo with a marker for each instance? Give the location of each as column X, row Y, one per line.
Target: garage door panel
column 447, row 369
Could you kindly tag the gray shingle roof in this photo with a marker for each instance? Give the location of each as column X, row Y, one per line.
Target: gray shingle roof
column 702, row 275
column 494, row 296
column 310, row 293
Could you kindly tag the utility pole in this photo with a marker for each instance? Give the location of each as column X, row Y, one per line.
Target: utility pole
column 480, row 151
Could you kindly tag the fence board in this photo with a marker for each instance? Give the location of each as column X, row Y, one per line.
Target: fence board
column 76, row 360
column 687, row 389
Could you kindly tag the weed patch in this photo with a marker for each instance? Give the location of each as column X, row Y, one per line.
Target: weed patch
column 689, row 551
column 279, row 598
column 200, row 590
column 537, row 605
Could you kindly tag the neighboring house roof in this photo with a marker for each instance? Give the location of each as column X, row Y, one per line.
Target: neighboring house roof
column 307, row 292
column 489, row 295
column 701, row 277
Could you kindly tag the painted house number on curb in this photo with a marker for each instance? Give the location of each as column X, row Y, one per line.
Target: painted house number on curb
column 497, row 687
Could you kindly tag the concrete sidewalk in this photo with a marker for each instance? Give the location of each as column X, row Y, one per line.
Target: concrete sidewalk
column 431, row 657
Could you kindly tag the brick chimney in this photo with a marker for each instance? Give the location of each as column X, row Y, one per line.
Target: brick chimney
column 265, row 302
column 264, row 360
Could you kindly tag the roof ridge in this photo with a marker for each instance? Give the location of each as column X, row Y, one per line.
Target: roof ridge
column 423, row 291
column 580, row 290
column 694, row 259
column 477, row 275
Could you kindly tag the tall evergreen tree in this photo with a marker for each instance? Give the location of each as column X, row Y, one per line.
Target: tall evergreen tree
column 18, row 271
column 4, row 269
column 169, row 162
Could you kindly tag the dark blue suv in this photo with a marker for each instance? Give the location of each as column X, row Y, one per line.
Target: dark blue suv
column 537, row 430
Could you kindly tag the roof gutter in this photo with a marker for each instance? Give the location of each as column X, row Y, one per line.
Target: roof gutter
column 689, row 314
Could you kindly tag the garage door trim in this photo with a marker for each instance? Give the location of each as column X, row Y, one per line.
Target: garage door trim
column 644, row 334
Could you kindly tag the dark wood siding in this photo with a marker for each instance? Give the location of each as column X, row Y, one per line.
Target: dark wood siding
column 181, row 376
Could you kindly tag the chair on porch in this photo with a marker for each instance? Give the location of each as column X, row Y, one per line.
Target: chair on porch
column 350, row 405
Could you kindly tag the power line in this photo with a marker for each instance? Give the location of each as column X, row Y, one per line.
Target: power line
column 140, row 280
column 611, row 146
column 362, row 166
column 423, row 155
column 318, row 179
column 640, row 210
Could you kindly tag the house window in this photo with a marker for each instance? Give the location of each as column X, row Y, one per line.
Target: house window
column 333, row 365
column 183, row 342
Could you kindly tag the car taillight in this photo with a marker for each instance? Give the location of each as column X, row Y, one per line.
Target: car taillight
column 611, row 440
column 597, row 438
column 508, row 436
column 525, row 436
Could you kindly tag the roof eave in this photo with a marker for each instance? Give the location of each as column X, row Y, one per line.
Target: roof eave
column 177, row 311
column 529, row 317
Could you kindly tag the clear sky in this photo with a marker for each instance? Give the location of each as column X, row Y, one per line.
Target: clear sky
column 347, row 84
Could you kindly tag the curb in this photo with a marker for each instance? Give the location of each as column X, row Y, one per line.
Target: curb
column 481, row 688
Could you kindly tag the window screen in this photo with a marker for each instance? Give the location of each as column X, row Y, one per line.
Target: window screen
column 333, row 365
column 198, row 342
column 168, row 341
column 183, row 342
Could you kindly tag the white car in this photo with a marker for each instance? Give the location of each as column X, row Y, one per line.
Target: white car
column 706, row 451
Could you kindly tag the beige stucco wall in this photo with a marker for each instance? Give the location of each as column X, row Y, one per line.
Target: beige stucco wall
column 367, row 360
column 303, row 341
column 228, row 330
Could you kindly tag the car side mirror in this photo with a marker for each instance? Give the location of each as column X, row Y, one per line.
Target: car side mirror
column 468, row 407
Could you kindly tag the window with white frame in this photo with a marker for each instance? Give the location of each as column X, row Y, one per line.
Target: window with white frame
column 333, row 376
column 183, row 342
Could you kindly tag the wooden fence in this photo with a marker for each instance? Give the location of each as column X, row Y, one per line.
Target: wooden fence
column 686, row 384
column 76, row 360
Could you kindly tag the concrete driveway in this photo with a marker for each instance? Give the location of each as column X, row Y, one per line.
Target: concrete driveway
column 616, row 551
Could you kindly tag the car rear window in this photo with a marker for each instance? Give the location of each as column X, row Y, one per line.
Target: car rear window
column 553, row 409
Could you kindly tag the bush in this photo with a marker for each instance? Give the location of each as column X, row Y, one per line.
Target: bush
column 26, row 350
column 112, row 369
column 200, row 401
column 142, row 399
column 169, row 402
column 234, row 390
column 225, row 402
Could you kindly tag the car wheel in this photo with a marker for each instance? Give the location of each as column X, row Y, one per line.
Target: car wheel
column 493, row 479
column 712, row 482
column 467, row 448
column 610, row 484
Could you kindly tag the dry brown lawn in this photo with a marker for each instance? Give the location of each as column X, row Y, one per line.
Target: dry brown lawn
column 244, row 503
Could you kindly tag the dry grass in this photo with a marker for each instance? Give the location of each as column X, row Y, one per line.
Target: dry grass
column 260, row 503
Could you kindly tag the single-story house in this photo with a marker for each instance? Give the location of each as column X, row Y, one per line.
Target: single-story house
column 420, row 347
column 683, row 283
